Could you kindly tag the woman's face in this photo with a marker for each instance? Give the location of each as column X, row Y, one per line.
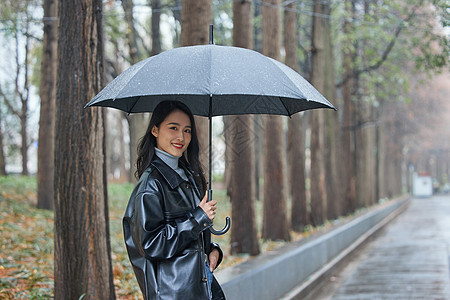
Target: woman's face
column 174, row 133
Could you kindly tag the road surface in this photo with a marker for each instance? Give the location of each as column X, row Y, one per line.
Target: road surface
column 407, row 259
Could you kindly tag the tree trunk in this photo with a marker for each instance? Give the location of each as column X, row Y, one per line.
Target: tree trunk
column 128, row 7
column 2, row 154
column 275, row 221
column 196, row 16
column 393, row 157
column 382, row 153
column 244, row 238
column 46, row 147
column 296, row 132
column 24, row 138
column 24, row 97
column 156, row 35
column 257, row 30
column 82, row 239
column 331, row 142
column 258, row 119
column 124, row 174
column 318, row 189
column 347, row 132
column 137, row 123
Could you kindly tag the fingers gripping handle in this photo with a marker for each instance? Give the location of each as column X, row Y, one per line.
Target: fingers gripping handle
column 227, row 221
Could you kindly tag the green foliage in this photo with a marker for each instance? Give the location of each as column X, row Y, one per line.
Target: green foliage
column 374, row 29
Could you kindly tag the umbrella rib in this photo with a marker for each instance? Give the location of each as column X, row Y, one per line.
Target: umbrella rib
column 134, row 104
column 282, row 102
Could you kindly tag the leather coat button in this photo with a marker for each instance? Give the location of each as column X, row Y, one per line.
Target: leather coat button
column 188, row 186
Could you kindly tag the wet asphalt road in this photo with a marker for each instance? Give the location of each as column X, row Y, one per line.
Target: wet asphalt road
column 407, row 259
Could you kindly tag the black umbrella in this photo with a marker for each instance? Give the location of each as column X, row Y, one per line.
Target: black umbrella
column 212, row 80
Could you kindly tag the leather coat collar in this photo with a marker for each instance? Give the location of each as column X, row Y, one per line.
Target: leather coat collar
column 172, row 177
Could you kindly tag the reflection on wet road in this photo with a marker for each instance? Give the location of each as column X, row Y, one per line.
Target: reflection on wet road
column 409, row 258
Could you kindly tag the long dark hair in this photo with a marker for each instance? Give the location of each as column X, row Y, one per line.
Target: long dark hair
column 147, row 144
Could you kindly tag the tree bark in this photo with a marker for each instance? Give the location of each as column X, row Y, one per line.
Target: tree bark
column 240, row 142
column 46, row 147
column 347, row 131
column 124, row 174
column 296, row 132
column 82, row 240
column 318, row 188
column 137, row 123
column 128, row 7
column 331, row 142
column 275, row 221
column 2, row 154
column 156, row 17
column 364, row 138
column 257, row 28
column 196, row 16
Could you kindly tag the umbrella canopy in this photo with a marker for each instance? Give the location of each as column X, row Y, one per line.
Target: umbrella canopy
column 212, row 80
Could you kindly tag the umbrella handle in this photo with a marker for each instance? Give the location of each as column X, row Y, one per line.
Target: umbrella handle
column 227, row 220
column 224, row 230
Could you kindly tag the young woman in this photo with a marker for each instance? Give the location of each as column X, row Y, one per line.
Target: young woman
column 165, row 223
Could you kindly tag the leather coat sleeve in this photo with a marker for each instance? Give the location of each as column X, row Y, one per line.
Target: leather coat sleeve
column 157, row 239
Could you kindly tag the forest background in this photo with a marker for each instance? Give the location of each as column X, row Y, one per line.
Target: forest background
column 383, row 64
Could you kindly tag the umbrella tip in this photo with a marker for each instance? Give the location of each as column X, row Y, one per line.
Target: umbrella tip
column 211, row 37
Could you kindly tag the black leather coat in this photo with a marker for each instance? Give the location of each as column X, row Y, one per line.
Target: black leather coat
column 167, row 236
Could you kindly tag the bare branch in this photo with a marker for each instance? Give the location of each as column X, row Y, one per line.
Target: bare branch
column 385, row 54
column 9, row 103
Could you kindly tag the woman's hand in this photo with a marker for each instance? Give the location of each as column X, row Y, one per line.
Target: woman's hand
column 213, row 258
column 208, row 207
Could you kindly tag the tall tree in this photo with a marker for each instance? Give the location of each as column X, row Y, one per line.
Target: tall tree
column 244, row 237
column 259, row 128
column 17, row 102
column 348, row 179
column 47, row 92
column 156, row 17
column 82, row 241
column 275, row 222
column 128, row 8
column 296, row 132
column 318, row 188
column 331, row 139
column 137, row 123
column 196, row 16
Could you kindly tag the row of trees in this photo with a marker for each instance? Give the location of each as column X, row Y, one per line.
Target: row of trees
column 366, row 56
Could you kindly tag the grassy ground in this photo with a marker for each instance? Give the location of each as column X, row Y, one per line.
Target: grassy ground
column 26, row 255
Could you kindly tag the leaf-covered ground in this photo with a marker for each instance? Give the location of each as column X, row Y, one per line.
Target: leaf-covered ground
column 26, row 255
